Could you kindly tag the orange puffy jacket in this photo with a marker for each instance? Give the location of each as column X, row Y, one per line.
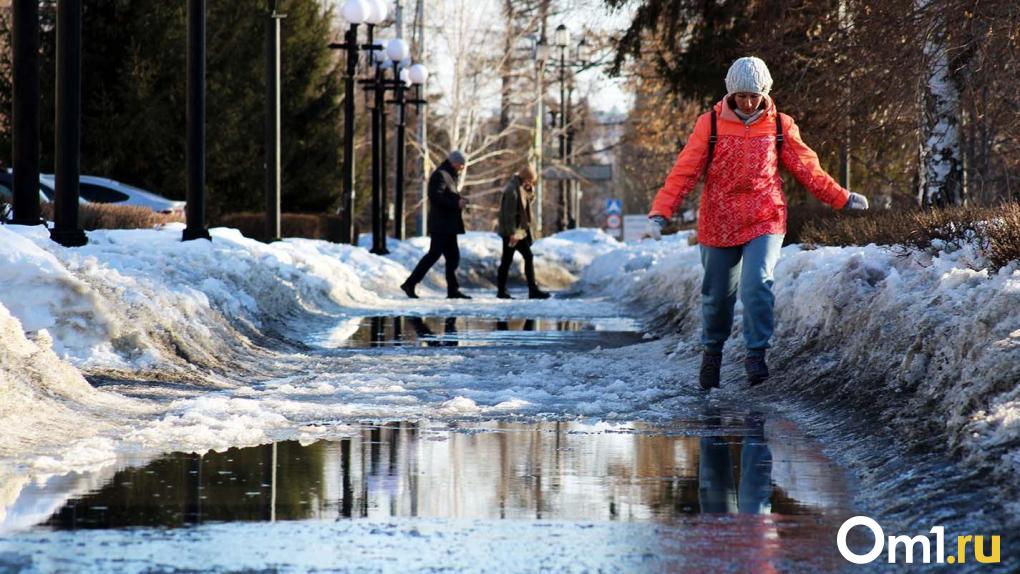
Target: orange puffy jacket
column 743, row 197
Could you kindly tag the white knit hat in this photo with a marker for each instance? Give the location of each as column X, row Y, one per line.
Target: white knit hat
column 748, row 74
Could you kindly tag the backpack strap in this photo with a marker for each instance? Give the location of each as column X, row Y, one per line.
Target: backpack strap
column 711, row 142
column 779, row 135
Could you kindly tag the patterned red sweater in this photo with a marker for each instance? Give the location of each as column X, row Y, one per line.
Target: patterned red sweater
column 743, row 197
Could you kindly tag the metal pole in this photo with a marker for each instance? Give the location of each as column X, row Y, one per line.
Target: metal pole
column 273, row 151
column 845, row 21
column 68, row 125
column 564, row 215
column 378, row 236
column 571, row 184
column 347, row 220
column 196, row 123
column 25, row 120
column 423, row 126
column 384, row 186
column 398, row 223
column 539, row 124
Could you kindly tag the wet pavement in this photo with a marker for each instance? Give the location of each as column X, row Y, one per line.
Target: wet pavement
column 727, row 483
column 440, row 331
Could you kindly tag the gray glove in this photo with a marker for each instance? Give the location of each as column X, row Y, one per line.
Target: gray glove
column 656, row 223
column 856, row 201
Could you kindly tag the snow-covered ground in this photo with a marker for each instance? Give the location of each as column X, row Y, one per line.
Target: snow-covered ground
column 927, row 344
column 923, row 346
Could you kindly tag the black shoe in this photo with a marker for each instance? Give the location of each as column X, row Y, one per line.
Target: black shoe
column 756, row 368
column 536, row 293
column 408, row 289
column 457, row 295
column 503, row 294
column 711, row 362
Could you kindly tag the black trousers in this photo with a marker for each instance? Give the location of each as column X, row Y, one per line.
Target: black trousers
column 445, row 246
column 524, row 247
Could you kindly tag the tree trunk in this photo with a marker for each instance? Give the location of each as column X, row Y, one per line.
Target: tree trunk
column 941, row 169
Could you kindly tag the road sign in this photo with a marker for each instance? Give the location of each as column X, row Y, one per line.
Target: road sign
column 613, row 221
column 614, row 205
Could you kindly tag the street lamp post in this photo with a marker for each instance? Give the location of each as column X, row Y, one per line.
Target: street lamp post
column 394, row 55
column 273, row 152
column 398, row 51
column 376, row 86
column 195, row 208
column 25, row 120
column 569, row 206
column 563, row 41
column 356, row 12
column 68, row 126
column 539, row 54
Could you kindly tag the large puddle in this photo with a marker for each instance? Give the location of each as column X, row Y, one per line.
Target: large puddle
column 724, row 491
column 413, row 331
column 499, row 470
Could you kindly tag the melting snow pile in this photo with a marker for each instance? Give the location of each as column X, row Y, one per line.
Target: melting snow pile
column 927, row 343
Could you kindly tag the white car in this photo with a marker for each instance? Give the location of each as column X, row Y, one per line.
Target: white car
column 104, row 190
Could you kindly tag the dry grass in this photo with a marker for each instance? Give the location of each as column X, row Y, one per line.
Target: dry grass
column 306, row 225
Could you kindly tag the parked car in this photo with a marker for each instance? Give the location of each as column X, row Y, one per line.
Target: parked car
column 104, row 190
column 7, row 195
column 7, row 188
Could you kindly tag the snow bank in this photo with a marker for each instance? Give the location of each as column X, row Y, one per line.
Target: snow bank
column 928, row 345
column 52, row 417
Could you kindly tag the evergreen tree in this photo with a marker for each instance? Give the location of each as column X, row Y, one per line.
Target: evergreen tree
column 134, row 57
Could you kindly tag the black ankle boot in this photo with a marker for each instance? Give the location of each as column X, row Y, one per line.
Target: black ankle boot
column 756, row 367
column 503, row 294
column 536, row 293
column 711, row 362
column 408, row 289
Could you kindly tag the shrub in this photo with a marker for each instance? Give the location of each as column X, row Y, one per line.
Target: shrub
column 108, row 216
column 1004, row 236
column 996, row 230
column 306, row 225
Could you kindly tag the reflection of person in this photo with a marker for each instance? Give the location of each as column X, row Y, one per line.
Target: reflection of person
column 738, row 146
column 446, row 222
column 423, row 332
column 515, row 217
column 450, row 332
column 715, row 472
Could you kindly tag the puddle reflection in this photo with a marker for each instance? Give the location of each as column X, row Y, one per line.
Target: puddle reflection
column 549, row 470
column 412, row 331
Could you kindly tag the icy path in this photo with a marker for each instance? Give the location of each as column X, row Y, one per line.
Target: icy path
column 318, row 394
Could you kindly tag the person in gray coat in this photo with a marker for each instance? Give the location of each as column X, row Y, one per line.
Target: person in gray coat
column 515, row 217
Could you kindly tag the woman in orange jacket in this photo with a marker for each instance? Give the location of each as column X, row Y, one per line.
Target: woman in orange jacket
column 738, row 146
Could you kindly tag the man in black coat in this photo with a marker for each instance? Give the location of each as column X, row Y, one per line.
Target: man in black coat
column 446, row 222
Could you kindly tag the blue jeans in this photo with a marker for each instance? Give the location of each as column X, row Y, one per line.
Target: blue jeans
column 748, row 267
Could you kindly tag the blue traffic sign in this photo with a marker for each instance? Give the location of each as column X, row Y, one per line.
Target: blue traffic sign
column 614, row 205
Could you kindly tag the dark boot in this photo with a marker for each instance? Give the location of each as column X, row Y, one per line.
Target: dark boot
column 757, row 369
column 457, row 295
column 408, row 289
column 711, row 362
column 503, row 294
column 535, row 293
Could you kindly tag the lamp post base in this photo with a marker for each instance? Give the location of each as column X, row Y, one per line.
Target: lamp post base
column 69, row 237
column 196, row 233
